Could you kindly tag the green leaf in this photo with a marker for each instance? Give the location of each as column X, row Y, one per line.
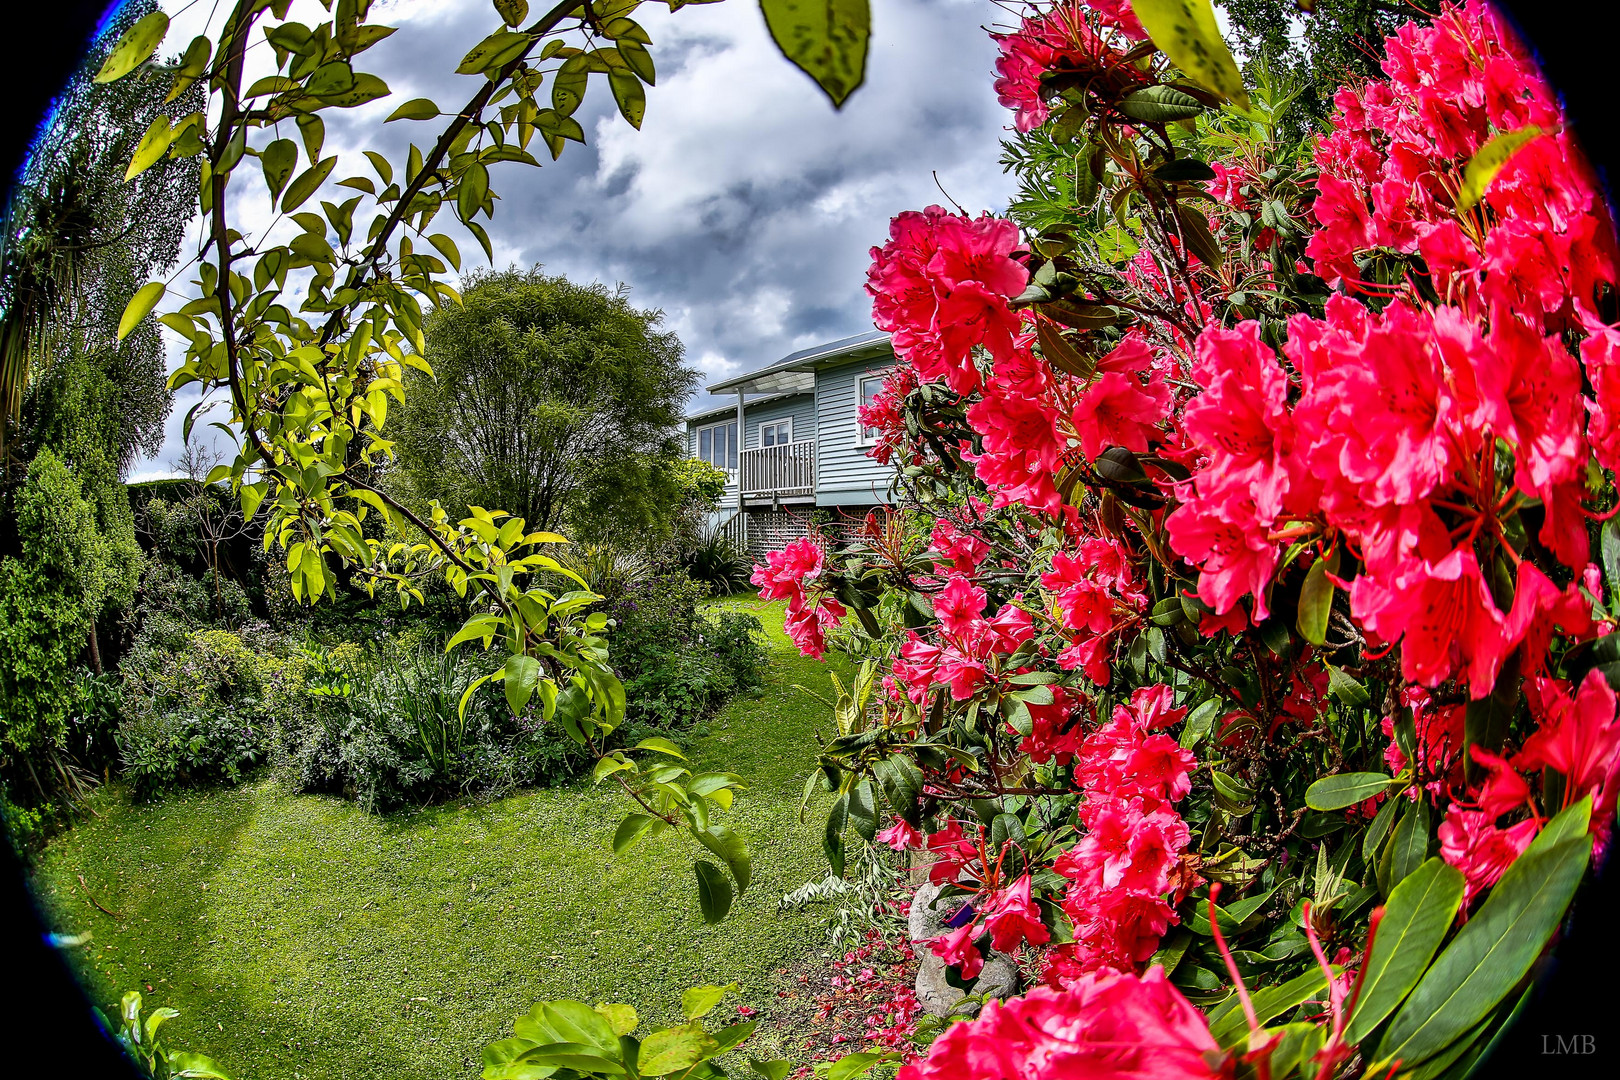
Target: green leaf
column 1160, row 105
column 512, row 12
column 415, row 109
column 621, row 1018
column 139, row 307
column 826, row 39
column 863, row 809
column 701, row 1000
column 901, row 781
column 495, row 51
column 1378, row 830
column 1410, row 847
column 662, row 745
column 308, row 180
column 1490, row 954
column 1315, row 603
column 1184, row 170
column 630, row 95
column 153, row 145
column 184, row 1065
column 832, row 837
column 522, row 674
column 631, row 830
column 1488, row 160
column 1344, row 687
column 1199, row 721
column 278, row 160
column 1228, row 1024
column 852, row 1065
column 675, row 1049
column 471, row 191
column 1185, row 30
column 135, row 47
column 1345, row 789
column 1419, row 912
column 714, row 891
column 732, row 850
column 638, row 60
column 775, row 1069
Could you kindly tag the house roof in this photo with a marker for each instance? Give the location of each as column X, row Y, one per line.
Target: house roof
column 795, row 373
column 731, row 408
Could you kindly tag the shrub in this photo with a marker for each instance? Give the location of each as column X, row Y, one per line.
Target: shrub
column 717, row 563
column 677, row 664
column 384, row 726
column 165, row 750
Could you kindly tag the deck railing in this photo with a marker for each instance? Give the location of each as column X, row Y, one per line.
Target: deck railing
column 789, row 469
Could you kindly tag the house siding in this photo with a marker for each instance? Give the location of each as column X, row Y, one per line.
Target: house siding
column 800, row 408
column 845, row 476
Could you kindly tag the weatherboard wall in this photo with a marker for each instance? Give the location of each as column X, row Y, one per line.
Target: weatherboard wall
column 845, row 476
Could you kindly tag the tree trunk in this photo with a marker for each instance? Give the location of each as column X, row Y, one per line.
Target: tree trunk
column 95, row 649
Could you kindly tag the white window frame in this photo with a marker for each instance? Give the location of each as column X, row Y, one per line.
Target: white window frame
column 759, row 432
column 697, row 444
column 862, row 436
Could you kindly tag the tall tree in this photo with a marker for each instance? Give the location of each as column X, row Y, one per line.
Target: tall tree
column 1319, row 45
column 77, row 237
column 554, row 400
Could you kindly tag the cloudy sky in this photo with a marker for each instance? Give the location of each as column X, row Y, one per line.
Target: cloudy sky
column 745, row 207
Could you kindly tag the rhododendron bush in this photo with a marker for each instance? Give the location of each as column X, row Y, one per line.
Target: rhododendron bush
column 1240, row 638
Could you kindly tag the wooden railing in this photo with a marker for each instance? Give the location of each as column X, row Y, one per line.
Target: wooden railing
column 789, row 469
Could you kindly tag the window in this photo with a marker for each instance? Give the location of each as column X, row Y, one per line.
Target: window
column 778, row 433
column 717, row 444
column 868, row 386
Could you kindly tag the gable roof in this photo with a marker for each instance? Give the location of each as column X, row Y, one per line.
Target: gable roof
column 795, row 373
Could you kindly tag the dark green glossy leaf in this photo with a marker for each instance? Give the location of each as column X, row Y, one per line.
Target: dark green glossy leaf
column 1419, row 912
column 1345, row 789
column 1490, row 954
column 714, row 891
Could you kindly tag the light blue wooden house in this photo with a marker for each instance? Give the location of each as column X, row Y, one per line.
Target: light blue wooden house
column 792, row 445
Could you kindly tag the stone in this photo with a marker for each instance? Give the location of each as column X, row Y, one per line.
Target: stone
column 926, row 919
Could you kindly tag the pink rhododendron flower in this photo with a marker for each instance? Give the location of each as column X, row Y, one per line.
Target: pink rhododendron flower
column 1016, row 919
column 958, row 951
column 900, row 836
column 1470, row 841
column 1105, row 1026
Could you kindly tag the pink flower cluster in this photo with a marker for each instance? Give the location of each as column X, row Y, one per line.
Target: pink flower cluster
column 891, row 444
column 1392, row 444
column 1392, row 167
column 1131, row 774
column 792, row 574
column 1106, row 1025
column 968, row 642
column 1098, row 594
column 1578, row 737
column 1059, row 38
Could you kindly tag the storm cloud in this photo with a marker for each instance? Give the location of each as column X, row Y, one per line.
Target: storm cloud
column 746, row 206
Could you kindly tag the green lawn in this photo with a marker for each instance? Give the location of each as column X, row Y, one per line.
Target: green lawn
column 302, row 938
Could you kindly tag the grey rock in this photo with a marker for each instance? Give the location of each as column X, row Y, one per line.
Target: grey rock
column 927, row 919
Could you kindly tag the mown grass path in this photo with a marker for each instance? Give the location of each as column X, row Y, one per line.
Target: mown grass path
column 302, row 938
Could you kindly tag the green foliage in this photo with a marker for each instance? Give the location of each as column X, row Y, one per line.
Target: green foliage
column 717, row 563
column 79, row 237
column 141, row 1040
column 1333, row 43
column 63, row 571
column 679, row 664
column 385, row 726
column 550, row 399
